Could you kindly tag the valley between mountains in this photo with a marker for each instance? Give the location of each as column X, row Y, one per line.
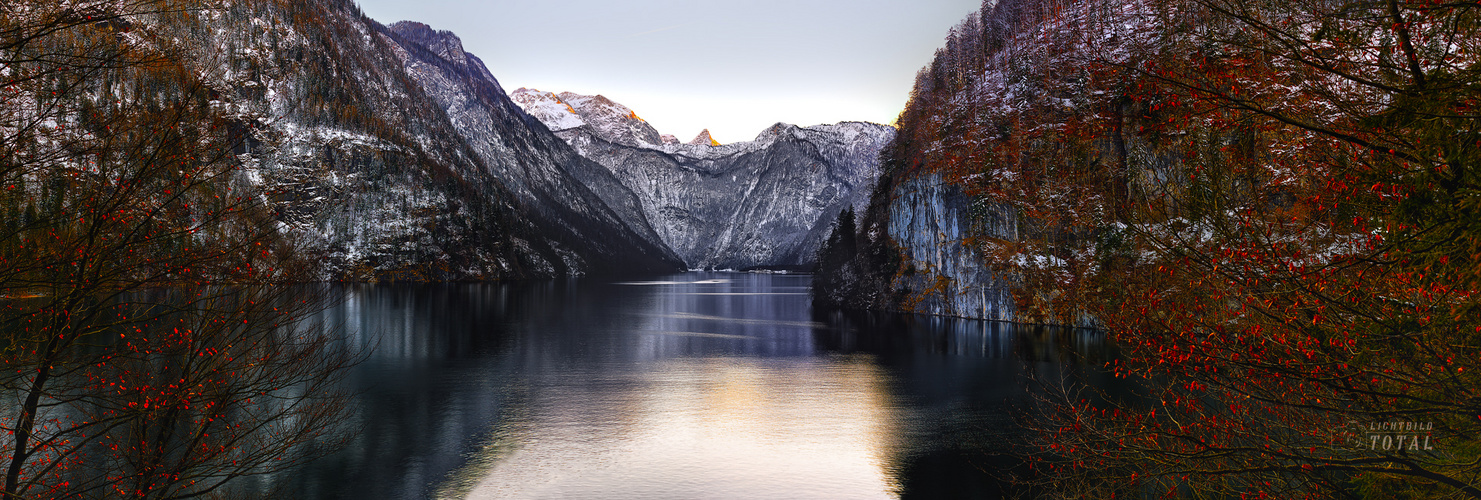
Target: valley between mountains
column 394, row 154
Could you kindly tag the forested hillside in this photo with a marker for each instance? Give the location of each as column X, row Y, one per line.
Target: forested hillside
column 1271, row 206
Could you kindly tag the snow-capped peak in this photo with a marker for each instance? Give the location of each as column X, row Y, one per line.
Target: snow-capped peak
column 555, row 113
column 612, row 120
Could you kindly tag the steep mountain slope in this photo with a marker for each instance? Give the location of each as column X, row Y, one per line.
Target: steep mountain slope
column 398, row 154
column 767, row 202
column 980, row 211
column 578, row 201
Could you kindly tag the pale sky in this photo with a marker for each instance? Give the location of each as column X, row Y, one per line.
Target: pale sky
column 734, row 67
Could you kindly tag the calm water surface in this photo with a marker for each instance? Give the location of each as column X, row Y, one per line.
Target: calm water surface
column 698, row 385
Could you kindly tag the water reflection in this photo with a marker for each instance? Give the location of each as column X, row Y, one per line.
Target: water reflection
column 697, row 427
column 698, row 385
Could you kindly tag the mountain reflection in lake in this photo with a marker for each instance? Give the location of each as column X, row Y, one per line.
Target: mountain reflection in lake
column 699, row 385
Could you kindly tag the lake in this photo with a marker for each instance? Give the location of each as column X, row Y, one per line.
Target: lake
column 696, row 385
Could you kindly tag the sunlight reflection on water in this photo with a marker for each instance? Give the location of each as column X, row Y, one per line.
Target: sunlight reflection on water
column 677, row 425
column 696, row 428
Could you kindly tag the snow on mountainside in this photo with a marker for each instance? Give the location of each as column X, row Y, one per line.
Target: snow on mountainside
column 549, row 109
column 568, row 110
column 612, row 120
column 393, row 154
column 577, row 200
column 766, row 202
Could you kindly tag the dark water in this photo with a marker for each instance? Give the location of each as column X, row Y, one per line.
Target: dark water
column 699, row 385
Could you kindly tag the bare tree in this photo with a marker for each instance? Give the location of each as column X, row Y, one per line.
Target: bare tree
column 152, row 348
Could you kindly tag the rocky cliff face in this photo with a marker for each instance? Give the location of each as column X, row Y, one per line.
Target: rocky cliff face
column 762, row 203
column 932, row 222
column 984, row 207
column 396, row 154
column 935, row 239
column 575, row 200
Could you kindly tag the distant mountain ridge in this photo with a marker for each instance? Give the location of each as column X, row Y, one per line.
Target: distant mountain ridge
column 768, row 202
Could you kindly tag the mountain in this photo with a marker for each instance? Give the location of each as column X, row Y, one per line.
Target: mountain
column 556, row 114
column 614, row 121
column 395, row 154
column 577, row 201
column 768, row 202
column 704, row 139
column 391, row 153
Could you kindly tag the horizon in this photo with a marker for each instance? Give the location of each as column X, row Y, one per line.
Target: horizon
column 659, row 57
